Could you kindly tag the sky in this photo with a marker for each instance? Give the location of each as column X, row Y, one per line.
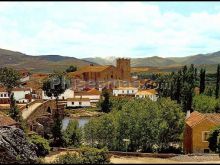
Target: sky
column 101, row 29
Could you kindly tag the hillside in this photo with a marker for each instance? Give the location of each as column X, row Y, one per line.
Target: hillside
column 155, row 61
column 41, row 63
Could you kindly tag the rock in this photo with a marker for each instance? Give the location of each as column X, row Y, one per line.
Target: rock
column 15, row 148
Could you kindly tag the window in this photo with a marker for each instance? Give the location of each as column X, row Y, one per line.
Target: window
column 80, row 103
column 72, row 103
column 122, row 91
column 4, row 95
column 205, row 136
column 1, row 95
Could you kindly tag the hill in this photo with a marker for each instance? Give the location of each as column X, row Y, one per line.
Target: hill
column 40, row 63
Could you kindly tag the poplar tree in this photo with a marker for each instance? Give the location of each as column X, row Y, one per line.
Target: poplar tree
column 202, row 81
column 217, row 82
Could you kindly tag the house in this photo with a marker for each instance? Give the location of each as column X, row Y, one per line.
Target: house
column 125, row 91
column 78, row 102
column 69, row 93
column 150, row 93
column 103, row 73
column 20, row 95
column 197, row 129
column 93, row 94
column 7, row 121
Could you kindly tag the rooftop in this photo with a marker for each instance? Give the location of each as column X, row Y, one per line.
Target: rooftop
column 6, row 120
column 147, row 92
column 196, row 117
column 78, row 99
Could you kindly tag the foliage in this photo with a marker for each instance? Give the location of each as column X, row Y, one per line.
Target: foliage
column 10, row 78
column 214, row 140
column 41, row 143
column 72, row 135
column 179, row 86
column 105, row 104
column 202, row 80
column 205, row 104
column 86, row 155
column 142, row 121
column 54, row 86
column 71, row 69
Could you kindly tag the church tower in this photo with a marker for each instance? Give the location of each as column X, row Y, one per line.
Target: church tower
column 123, row 66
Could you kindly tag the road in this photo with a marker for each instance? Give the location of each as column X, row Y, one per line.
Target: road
column 27, row 112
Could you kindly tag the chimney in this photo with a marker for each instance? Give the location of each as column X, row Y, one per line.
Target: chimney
column 187, row 114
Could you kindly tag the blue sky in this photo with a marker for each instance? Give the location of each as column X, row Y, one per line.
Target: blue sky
column 99, row 29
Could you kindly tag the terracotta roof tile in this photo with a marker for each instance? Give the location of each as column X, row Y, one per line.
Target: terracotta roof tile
column 196, row 117
column 78, row 99
column 6, row 120
column 94, row 91
column 147, row 92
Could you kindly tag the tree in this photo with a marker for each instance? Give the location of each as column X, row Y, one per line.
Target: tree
column 71, row 69
column 217, row 82
column 202, row 80
column 42, row 144
column 10, row 78
column 54, row 86
column 214, row 140
column 105, row 104
column 205, row 104
column 72, row 134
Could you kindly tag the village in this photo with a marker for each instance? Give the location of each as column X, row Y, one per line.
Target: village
column 81, row 99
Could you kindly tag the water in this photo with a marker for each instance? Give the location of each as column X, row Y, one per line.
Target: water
column 82, row 121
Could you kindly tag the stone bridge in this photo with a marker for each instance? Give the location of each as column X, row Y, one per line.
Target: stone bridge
column 39, row 115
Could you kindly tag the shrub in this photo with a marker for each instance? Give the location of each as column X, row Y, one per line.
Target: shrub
column 85, row 156
column 42, row 144
column 214, row 143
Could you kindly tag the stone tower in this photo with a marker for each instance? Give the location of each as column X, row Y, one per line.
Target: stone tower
column 123, row 66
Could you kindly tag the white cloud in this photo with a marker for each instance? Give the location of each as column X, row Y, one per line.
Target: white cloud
column 106, row 28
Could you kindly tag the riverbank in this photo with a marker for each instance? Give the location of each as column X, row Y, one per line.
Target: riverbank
column 77, row 113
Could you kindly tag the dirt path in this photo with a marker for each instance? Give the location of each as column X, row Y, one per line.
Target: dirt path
column 144, row 160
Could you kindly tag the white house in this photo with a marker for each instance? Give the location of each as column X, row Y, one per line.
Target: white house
column 150, row 93
column 93, row 94
column 78, row 102
column 125, row 91
column 19, row 94
column 69, row 93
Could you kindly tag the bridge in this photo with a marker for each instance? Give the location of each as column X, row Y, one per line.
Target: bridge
column 39, row 114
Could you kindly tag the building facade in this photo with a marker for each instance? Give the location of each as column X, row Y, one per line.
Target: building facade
column 103, row 73
column 196, row 132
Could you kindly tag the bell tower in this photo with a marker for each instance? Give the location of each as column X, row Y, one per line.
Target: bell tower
column 123, row 66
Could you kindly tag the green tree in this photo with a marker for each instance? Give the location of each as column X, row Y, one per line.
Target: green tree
column 105, row 104
column 205, row 104
column 10, row 78
column 214, row 140
column 217, row 82
column 54, row 86
column 71, row 69
column 72, row 134
column 42, row 144
column 202, row 80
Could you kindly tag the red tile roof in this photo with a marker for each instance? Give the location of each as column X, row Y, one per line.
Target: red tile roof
column 196, row 117
column 6, row 120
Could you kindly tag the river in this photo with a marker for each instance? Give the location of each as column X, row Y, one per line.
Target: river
column 82, row 121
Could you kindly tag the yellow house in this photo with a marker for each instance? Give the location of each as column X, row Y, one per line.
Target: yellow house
column 196, row 132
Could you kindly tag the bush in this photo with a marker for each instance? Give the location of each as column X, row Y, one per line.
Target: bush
column 42, row 144
column 85, row 156
column 214, row 143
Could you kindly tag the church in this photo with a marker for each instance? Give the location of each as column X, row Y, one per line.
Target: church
column 121, row 71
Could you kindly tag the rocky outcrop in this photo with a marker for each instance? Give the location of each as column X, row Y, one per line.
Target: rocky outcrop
column 15, row 148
